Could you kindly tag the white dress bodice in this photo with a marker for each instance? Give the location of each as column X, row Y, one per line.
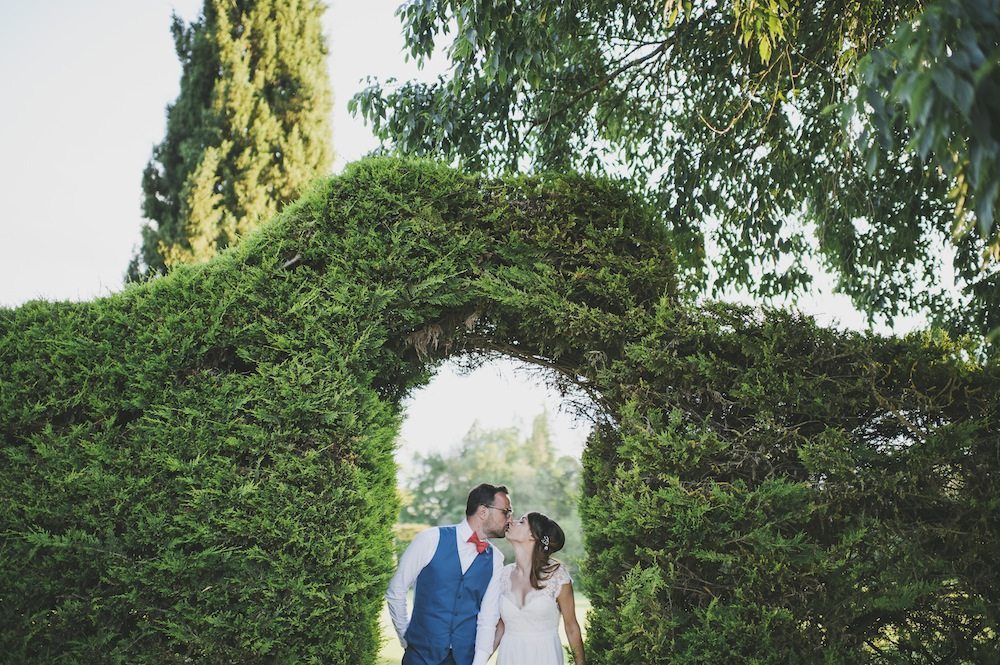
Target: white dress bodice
column 531, row 630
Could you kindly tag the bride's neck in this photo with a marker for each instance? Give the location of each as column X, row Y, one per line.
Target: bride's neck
column 522, row 556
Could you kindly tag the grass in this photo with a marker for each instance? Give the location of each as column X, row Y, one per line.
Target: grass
column 392, row 653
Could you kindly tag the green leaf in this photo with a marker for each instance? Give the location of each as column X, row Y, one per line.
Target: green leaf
column 764, row 48
column 944, row 80
column 965, row 94
column 985, row 209
column 774, row 26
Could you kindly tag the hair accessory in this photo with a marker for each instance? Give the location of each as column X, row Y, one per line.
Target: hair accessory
column 545, row 542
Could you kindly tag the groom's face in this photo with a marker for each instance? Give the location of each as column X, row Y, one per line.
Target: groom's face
column 498, row 521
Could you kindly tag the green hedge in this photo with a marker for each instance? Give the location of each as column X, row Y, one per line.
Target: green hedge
column 773, row 492
column 200, row 468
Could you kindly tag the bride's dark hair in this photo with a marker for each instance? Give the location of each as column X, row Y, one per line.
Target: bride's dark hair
column 549, row 539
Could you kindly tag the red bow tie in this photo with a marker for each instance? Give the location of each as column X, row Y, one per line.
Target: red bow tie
column 481, row 545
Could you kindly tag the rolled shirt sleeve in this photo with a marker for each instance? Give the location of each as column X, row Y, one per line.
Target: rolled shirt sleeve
column 489, row 613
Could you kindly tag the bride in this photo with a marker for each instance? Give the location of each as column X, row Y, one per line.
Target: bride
column 534, row 591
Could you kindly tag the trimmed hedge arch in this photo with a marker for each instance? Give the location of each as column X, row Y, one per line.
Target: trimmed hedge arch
column 201, row 467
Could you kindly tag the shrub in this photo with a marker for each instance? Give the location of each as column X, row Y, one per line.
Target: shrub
column 773, row 492
column 200, row 468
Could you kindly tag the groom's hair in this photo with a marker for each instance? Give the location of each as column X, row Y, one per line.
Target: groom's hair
column 482, row 495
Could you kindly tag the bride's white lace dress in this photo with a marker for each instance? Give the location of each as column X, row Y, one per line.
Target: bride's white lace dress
column 531, row 631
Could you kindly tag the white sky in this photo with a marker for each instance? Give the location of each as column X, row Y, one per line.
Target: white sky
column 85, row 91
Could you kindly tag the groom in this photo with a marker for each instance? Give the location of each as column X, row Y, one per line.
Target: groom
column 456, row 571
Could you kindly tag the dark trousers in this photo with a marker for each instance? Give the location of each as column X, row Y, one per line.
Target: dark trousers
column 408, row 658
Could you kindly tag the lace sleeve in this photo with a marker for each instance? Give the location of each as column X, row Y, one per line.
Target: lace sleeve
column 560, row 577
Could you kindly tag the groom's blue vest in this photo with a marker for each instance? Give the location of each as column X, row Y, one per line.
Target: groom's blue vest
column 446, row 604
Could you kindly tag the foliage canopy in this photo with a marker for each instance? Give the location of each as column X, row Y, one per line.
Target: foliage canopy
column 726, row 116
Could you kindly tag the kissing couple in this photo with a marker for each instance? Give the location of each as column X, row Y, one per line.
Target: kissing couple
column 466, row 602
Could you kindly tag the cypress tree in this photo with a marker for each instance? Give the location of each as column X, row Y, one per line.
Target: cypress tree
column 248, row 131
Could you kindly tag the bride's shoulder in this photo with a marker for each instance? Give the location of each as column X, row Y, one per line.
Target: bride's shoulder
column 561, row 573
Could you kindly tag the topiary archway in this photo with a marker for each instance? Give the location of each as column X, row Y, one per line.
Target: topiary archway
column 201, row 467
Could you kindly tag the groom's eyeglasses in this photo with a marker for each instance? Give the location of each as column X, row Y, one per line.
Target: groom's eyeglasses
column 506, row 511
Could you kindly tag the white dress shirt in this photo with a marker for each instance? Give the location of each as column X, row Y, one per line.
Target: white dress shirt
column 419, row 553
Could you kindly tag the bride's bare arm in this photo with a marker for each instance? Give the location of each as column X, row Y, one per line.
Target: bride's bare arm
column 499, row 634
column 567, row 605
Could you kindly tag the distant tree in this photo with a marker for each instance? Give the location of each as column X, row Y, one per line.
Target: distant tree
column 248, row 131
column 539, row 480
